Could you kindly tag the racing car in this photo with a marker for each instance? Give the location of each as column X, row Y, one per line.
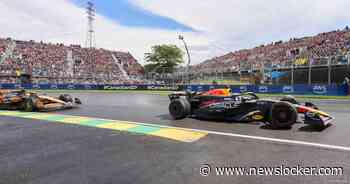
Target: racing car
column 245, row 107
column 28, row 101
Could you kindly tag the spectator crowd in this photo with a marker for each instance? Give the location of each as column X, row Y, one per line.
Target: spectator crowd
column 57, row 63
column 299, row 51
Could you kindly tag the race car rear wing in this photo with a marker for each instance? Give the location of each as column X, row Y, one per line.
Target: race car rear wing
column 176, row 95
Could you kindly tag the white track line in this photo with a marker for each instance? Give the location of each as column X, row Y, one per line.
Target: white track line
column 283, row 141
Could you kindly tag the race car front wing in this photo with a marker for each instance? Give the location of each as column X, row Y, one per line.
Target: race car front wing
column 315, row 117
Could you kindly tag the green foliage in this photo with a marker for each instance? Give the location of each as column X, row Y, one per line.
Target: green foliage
column 163, row 59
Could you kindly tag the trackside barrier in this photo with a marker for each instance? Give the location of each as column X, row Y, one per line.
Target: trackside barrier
column 88, row 87
column 331, row 90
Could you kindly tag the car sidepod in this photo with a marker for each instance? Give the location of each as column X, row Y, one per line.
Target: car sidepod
column 229, row 109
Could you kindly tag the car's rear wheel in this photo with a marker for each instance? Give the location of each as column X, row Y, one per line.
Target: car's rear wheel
column 179, row 108
column 30, row 103
column 283, row 115
column 290, row 99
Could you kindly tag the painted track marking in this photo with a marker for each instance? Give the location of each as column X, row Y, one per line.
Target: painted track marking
column 133, row 127
column 174, row 133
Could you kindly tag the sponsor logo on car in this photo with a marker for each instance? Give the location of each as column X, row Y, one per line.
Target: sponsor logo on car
column 231, row 104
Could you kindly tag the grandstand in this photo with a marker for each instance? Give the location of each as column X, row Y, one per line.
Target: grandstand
column 319, row 59
column 323, row 58
column 38, row 62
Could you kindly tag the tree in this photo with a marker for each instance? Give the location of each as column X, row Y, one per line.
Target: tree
column 163, row 59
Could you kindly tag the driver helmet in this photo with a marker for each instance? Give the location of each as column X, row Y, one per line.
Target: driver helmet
column 228, row 88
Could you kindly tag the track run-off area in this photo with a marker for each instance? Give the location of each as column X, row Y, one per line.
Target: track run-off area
column 130, row 138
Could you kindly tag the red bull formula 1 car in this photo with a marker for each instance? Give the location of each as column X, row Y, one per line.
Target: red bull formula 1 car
column 27, row 101
column 245, row 107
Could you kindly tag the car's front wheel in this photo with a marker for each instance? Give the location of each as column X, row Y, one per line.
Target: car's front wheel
column 283, row 115
column 66, row 98
column 179, row 108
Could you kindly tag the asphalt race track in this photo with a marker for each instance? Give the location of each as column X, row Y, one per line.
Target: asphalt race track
column 40, row 151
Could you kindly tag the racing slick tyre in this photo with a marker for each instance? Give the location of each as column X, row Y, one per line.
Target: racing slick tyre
column 77, row 101
column 283, row 115
column 179, row 108
column 29, row 103
column 66, row 98
column 289, row 99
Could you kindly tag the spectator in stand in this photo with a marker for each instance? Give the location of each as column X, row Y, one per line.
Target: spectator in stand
column 66, row 64
column 282, row 53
